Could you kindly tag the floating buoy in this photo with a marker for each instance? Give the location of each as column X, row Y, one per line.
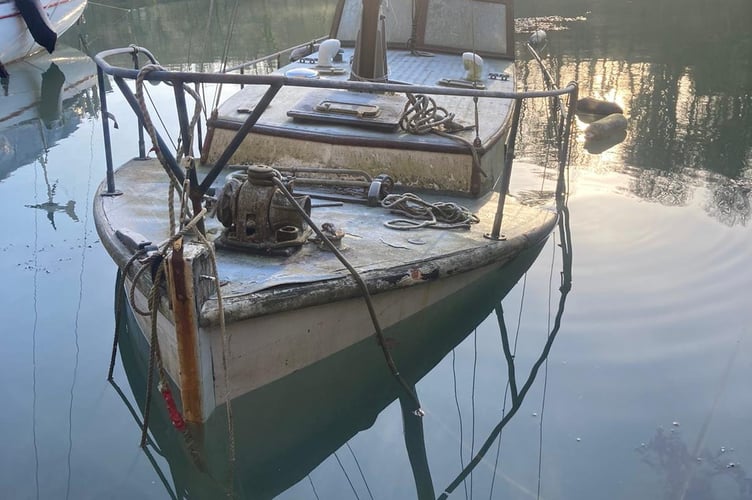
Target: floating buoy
column 590, row 106
column 610, row 126
column 598, row 146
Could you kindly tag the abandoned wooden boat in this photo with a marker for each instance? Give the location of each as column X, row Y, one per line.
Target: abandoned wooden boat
column 27, row 26
column 293, row 425
column 305, row 256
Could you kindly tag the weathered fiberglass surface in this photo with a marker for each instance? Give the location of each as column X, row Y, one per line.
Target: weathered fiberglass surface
column 367, row 243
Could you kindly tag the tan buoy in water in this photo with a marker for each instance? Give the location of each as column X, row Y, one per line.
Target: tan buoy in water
column 605, row 133
column 598, row 146
column 591, row 106
column 606, row 127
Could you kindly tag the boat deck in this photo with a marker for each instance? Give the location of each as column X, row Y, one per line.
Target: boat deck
column 372, row 248
column 403, row 67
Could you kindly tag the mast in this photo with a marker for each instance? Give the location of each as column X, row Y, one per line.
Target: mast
column 369, row 61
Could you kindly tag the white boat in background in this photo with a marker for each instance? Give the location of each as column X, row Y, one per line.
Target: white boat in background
column 22, row 29
column 403, row 96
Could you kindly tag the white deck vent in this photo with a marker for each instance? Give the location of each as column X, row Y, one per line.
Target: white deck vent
column 473, row 64
column 327, row 52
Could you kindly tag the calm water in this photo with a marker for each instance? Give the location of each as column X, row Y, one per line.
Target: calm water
column 644, row 394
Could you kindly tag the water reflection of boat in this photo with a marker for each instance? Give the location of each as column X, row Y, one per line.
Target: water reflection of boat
column 43, row 101
column 28, row 25
column 288, row 428
column 288, row 304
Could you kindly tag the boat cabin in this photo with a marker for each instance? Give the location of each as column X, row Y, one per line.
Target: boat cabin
column 441, row 143
column 485, row 27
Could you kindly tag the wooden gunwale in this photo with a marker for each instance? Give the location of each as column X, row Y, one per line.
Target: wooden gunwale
column 534, row 225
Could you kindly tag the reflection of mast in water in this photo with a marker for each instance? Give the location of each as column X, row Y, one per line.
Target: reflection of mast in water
column 518, row 393
column 50, row 206
column 34, row 349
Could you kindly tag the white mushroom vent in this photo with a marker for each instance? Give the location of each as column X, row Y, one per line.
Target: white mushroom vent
column 473, row 64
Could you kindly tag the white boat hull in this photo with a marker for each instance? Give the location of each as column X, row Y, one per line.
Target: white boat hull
column 15, row 40
column 267, row 348
column 22, row 101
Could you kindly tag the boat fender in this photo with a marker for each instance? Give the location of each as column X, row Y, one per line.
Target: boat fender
column 598, row 146
column 38, row 23
column 609, row 126
column 590, row 106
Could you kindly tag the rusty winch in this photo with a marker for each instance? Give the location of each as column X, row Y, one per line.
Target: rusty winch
column 257, row 214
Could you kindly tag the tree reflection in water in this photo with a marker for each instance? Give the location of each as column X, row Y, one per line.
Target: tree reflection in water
column 681, row 72
column 708, row 475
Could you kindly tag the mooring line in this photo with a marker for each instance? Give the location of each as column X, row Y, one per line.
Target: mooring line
column 363, row 289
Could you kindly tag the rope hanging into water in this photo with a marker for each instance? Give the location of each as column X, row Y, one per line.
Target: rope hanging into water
column 188, row 224
column 157, row 263
column 438, row 215
column 364, row 290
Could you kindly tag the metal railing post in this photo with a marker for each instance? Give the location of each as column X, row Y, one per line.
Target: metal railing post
column 111, row 191
column 141, row 142
column 172, row 164
column 565, row 137
column 199, row 131
column 506, row 175
column 239, row 137
column 180, row 104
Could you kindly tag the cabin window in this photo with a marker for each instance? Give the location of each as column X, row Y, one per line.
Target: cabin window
column 455, row 26
column 467, row 25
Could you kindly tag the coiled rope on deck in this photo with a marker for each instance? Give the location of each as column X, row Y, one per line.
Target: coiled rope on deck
column 421, row 213
column 421, row 115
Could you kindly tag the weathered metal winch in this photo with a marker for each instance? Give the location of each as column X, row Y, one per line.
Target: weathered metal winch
column 257, row 214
